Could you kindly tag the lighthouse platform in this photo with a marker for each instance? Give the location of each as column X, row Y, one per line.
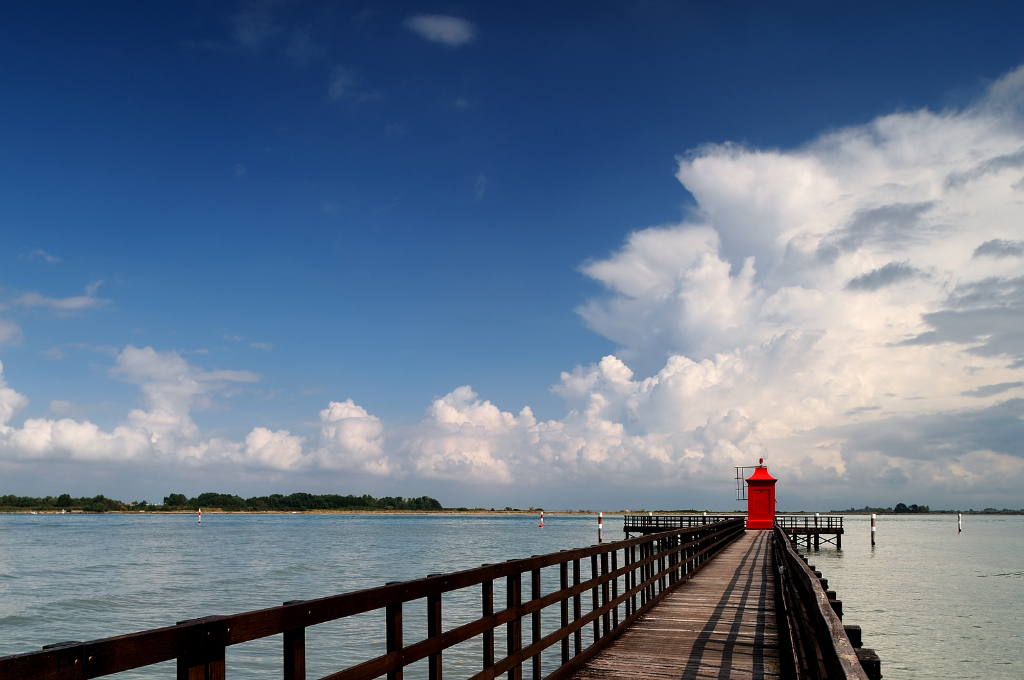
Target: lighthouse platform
column 805, row 530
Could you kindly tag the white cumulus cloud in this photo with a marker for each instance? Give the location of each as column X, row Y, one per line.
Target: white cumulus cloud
column 163, row 430
column 869, row 282
column 852, row 310
column 352, row 439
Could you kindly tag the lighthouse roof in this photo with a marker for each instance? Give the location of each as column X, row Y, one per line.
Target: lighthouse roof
column 761, row 475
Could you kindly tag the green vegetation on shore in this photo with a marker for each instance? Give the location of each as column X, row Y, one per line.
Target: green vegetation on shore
column 904, row 509
column 300, row 501
column 178, row 502
column 64, row 501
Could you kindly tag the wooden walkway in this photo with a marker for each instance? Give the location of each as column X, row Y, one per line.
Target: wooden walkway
column 719, row 625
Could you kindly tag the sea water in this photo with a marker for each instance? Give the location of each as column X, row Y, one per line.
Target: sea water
column 932, row 603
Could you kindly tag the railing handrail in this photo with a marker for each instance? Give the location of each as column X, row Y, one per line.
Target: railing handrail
column 677, row 521
column 664, row 561
column 806, row 521
column 670, row 517
column 820, row 644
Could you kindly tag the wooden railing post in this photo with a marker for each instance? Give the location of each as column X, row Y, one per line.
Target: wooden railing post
column 662, row 563
column 673, row 559
column 594, row 597
column 433, row 630
column 615, row 588
column 625, row 582
column 535, row 623
column 650, row 571
column 577, row 609
column 605, row 587
column 670, row 559
column 295, row 654
column 207, row 668
column 654, row 569
column 294, row 651
column 488, row 610
column 204, row 655
column 514, row 628
column 563, row 584
column 632, row 578
column 685, row 538
column 643, row 574
column 393, row 634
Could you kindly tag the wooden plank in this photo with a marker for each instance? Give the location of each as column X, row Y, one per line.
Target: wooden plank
column 720, row 624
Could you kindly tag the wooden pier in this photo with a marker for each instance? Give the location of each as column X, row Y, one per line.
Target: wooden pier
column 720, row 625
column 703, row 599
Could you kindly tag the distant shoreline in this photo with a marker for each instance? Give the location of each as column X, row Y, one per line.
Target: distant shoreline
column 446, row 511
column 477, row 511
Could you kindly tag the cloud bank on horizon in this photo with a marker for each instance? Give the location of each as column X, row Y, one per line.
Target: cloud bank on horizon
column 851, row 310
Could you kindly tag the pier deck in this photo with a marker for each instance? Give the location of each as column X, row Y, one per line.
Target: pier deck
column 719, row 625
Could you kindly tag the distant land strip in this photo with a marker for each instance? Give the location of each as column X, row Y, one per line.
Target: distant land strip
column 306, row 502
column 177, row 502
column 904, row 509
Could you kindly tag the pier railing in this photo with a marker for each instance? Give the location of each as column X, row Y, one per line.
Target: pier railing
column 813, row 643
column 828, row 523
column 813, row 530
column 625, row 579
column 646, row 524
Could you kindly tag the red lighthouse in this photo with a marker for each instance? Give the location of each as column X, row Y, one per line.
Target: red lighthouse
column 760, row 498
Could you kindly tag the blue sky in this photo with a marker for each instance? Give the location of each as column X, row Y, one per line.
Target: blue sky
column 230, row 216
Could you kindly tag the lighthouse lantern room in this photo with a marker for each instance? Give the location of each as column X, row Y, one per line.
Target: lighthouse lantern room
column 760, row 498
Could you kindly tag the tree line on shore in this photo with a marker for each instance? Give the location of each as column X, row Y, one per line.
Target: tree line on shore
column 903, row 508
column 300, row 501
column 912, row 509
column 177, row 502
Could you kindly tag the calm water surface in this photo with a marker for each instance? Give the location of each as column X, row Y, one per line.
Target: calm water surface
column 933, row 604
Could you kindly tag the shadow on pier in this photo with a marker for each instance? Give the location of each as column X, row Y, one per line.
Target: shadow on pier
column 720, row 625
